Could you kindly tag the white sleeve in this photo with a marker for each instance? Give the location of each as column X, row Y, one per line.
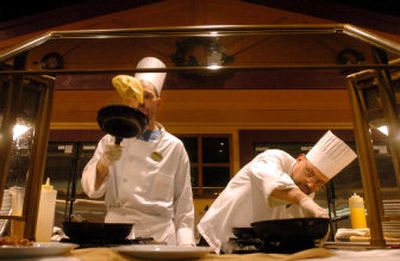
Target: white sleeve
column 267, row 175
column 88, row 179
column 183, row 202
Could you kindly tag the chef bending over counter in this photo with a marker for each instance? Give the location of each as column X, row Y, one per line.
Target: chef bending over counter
column 274, row 185
column 145, row 179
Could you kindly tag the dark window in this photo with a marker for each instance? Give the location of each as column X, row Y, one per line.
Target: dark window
column 61, row 158
column 210, row 160
column 215, row 150
column 64, row 166
column 194, row 177
column 191, row 147
column 215, row 177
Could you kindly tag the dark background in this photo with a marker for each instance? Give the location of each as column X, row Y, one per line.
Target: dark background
column 10, row 10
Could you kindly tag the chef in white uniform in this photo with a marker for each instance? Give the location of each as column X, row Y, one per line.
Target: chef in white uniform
column 274, row 185
column 146, row 180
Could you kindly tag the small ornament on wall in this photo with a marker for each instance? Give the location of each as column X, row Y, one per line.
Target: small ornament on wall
column 52, row 61
column 349, row 56
column 201, row 52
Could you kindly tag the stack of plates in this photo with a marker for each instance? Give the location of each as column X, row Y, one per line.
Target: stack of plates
column 5, row 210
column 392, row 209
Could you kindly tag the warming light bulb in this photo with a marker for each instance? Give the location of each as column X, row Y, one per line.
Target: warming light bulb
column 384, row 130
column 18, row 130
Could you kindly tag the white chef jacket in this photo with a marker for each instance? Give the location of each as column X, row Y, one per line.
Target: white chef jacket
column 154, row 193
column 246, row 199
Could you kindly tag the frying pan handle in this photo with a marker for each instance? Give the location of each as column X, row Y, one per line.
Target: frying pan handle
column 118, row 140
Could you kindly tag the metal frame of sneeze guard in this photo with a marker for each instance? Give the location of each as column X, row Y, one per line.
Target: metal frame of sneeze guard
column 381, row 68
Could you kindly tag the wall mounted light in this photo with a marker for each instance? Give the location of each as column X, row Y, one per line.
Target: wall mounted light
column 19, row 130
column 383, row 129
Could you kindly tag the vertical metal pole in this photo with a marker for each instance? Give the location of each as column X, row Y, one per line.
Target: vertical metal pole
column 74, row 174
column 14, row 89
column 369, row 176
column 200, row 165
column 7, row 129
column 330, row 195
column 389, row 104
column 38, row 161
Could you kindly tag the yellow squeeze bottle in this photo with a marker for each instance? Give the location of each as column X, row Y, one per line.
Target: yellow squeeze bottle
column 357, row 212
column 47, row 207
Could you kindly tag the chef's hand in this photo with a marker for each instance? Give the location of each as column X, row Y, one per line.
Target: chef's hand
column 111, row 154
column 312, row 208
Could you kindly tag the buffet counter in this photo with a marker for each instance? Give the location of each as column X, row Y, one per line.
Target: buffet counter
column 315, row 254
column 107, row 254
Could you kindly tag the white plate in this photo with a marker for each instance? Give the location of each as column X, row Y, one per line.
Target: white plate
column 163, row 252
column 37, row 249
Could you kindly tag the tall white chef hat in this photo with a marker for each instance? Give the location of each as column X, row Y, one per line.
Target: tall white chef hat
column 330, row 155
column 155, row 78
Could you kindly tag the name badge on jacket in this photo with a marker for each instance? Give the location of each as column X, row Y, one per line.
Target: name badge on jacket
column 156, row 156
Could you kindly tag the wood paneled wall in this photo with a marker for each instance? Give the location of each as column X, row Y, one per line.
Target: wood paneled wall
column 217, row 111
column 209, row 110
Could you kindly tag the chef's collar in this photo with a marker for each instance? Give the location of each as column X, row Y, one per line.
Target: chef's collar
column 150, row 135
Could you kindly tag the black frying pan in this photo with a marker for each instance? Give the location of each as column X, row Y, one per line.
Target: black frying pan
column 121, row 121
column 296, row 229
column 88, row 231
column 243, row 232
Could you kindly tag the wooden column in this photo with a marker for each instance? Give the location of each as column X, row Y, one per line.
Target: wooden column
column 368, row 169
